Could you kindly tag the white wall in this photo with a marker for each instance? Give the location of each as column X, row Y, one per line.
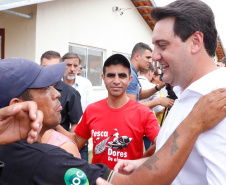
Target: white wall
column 19, row 33
column 89, row 23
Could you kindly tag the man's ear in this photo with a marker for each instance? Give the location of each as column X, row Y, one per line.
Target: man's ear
column 130, row 78
column 197, row 42
column 136, row 56
column 15, row 100
column 102, row 75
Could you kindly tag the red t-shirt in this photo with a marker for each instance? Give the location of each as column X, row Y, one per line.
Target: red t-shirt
column 117, row 133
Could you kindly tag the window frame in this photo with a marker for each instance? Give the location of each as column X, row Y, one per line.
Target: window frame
column 87, row 48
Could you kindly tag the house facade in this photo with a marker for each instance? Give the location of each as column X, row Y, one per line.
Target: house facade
column 93, row 29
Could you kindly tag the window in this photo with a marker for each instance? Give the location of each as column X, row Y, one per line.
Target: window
column 92, row 62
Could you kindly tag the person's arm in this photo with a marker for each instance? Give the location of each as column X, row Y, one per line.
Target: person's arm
column 74, row 108
column 73, row 126
column 51, row 137
column 165, row 102
column 132, row 96
column 151, row 150
column 80, row 141
column 149, row 92
column 20, row 121
column 71, row 147
column 166, row 163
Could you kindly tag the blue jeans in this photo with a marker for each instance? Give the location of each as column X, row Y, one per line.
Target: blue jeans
column 84, row 152
column 147, row 143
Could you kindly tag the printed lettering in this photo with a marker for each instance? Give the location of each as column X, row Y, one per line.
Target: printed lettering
column 99, row 133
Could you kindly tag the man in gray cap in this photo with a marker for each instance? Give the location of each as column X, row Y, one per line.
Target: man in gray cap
column 23, row 80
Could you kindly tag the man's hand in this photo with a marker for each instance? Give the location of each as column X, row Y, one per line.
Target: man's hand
column 101, row 181
column 126, row 167
column 210, row 109
column 20, row 121
column 166, row 102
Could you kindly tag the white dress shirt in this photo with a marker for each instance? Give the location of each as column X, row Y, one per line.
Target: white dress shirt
column 206, row 163
column 145, row 84
column 85, row 88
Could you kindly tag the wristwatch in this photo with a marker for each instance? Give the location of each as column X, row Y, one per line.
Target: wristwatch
column 156, row 87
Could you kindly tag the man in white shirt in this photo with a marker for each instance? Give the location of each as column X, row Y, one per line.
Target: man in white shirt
column 85, row 88
column 185, row 40
column 145, row 82
column 81, row 84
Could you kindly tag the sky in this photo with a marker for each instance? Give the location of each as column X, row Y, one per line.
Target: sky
column 219, row 9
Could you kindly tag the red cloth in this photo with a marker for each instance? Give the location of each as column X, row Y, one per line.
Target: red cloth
column 106, row 126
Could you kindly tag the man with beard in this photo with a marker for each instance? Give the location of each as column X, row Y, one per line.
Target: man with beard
column 81, row 84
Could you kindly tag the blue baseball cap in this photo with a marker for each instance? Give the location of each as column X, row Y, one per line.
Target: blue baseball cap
column 20, row 74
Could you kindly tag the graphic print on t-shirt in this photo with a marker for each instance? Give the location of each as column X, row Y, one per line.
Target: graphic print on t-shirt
column 116, row 143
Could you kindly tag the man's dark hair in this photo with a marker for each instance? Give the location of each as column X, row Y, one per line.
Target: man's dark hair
column 150, row 68
column 71, row 55
column 190, row 16
column 50, row 54
column 115, row 60
column 140, row 48
column 223, row 60
column 26, row 95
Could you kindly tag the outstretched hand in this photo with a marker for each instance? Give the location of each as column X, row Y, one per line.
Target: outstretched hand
column 20, row 121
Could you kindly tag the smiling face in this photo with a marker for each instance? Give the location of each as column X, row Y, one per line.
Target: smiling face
column 116, row 79
column 47, row 101
column 173, row 54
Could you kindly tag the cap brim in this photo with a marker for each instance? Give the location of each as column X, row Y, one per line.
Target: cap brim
column 49, row 75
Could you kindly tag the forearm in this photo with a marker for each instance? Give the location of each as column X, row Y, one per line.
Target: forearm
column 165, row 164
column 147, row 93
column 73, row 126
column 150, row 151
column 151, row 103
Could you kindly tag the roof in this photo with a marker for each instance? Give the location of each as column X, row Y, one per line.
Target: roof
column 144, row 7
column 9, row 4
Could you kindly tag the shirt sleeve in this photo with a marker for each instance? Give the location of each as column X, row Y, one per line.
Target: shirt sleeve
column 211, row 147
column 133, row 86
column 82, row 129
column 59, row 167
column 89, row 94
column 74, row 107
column 152, row 126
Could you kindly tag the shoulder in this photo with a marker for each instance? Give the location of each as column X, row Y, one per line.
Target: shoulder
column 63, row 86
column 138, row 106
column 81, row 79
column 96, row 104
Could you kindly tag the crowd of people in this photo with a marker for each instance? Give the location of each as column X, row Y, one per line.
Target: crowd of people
column 47, row 111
